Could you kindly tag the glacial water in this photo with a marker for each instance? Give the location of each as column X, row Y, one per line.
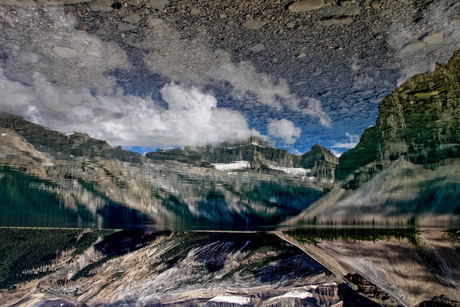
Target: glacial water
column 29, row 201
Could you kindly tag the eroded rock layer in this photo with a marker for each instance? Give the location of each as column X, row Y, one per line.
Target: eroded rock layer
column 419, row 121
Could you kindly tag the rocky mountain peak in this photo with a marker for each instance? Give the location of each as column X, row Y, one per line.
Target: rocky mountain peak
column 318, row 153
column 419, row 121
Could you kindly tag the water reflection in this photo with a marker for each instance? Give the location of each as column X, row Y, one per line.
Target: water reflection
column 321, row 266
column 409, row 265
column 169, row 198
column 165, row 200
column 29, row 201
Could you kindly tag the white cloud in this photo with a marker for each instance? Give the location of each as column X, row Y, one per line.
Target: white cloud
column 193, row 117
column 193, row 62
column 247, row 82
column 352, row 141
column 314, row 108
column 64, row 84
column 285, row 130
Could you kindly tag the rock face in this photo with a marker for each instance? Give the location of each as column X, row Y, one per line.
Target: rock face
column 15, row 149
column 63, row 147
column 419, row 121
column 389, row 269
column 135, row 268
column 255, row 150
column 408, row 163
column 319, row 162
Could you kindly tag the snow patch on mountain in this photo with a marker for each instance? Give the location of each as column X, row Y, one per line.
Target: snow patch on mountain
column 232, row 166
column 231, row 299
column 291, row 170
column 294, row 294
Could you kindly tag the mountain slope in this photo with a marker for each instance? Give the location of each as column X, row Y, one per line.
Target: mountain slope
column 89, row 183
column 258, row 155
column 420, row 120
column 321, row 161
column 61, row 146
column 409, row 162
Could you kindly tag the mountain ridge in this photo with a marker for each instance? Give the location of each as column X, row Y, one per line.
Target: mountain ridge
column 260, row 155
column 407, row 166
column 419, row 120
column 110, row 186
column 61, row 146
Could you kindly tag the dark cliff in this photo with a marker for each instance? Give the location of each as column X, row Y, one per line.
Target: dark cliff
column 419, row 120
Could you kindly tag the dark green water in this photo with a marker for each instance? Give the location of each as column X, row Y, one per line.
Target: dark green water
column 27, row 201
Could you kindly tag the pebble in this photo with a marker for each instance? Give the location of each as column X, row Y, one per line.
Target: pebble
column 134, row 2
column 101, row 6
column 158, row 4
column 336, row 21
column 64, row 52
column 412, row 47
column 434, row 38
column 253, row 24
column 306, row 5
column 257, row 48
column 154, row 22
column 195, row 12
column 134, row 18
column 125, row 27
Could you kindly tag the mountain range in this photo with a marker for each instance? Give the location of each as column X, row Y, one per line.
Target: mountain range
column 239, row 183
column 408, row 163
column 405, row 165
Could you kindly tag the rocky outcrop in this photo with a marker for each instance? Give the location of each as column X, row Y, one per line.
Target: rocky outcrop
column 320, row 161
column 14, row 149
column 255, row 150
column 61, row 146
column 387, row 269
column 187, row 156
column 407, row 164
column 419, row 121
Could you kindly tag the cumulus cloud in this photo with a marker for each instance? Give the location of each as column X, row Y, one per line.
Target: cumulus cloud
column 62, row 80
column 193, row 62
column 285, row 130
column 192, row 118
column 351, row 142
